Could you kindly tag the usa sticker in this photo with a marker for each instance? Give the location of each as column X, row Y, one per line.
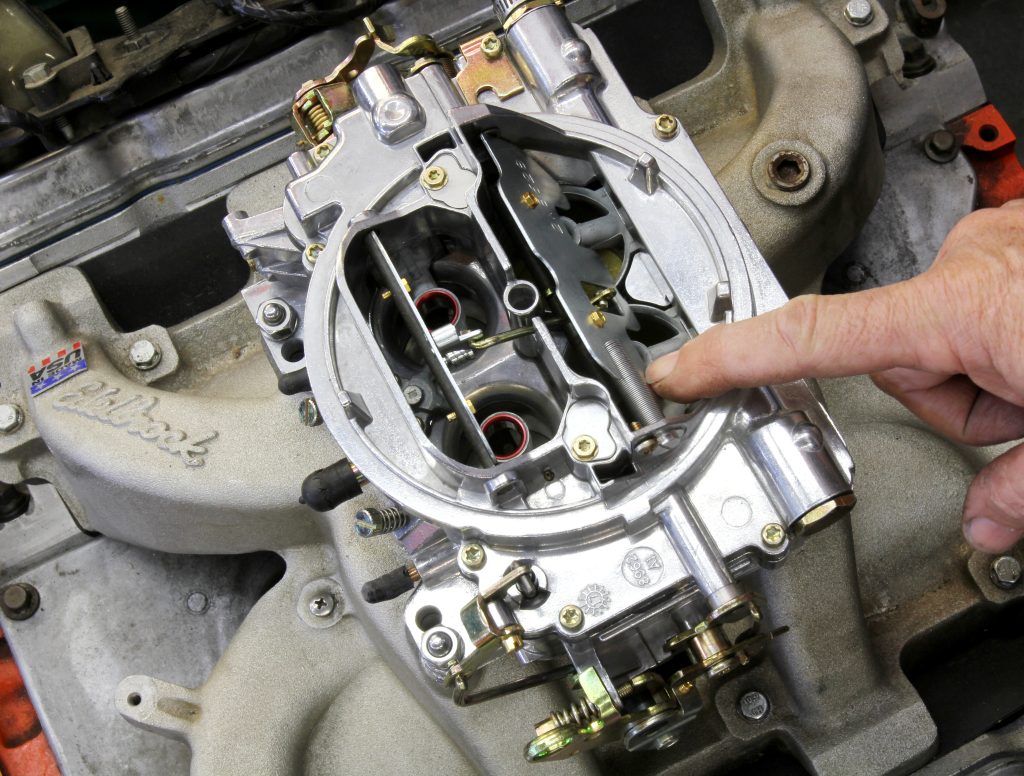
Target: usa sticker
column 54, row 370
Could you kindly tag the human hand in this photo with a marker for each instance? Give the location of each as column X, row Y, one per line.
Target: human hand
column 948, row 344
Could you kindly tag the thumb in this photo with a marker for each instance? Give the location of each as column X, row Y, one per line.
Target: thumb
column 994, row 508
column 809, row 336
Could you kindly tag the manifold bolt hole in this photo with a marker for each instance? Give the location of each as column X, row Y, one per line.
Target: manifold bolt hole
column 134, row 699
column 789, row 170
column 989, row 133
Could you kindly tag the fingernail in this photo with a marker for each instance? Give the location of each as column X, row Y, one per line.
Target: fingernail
column 661, row 368
column 989, row 536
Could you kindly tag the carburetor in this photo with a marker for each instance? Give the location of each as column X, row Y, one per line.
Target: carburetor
column 476, row 258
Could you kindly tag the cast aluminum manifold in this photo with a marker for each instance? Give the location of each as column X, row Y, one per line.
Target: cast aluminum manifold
column 615, row 528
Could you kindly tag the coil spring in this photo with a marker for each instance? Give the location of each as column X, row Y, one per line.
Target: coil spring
column 635, row 390
column 373, row 522
column 579, row 713
column 318, row 117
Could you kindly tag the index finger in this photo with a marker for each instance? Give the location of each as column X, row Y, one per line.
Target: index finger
column 809, row 336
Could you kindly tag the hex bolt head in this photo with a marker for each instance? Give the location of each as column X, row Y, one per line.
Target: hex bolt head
column 19, row 601
column 434, row 177
column 144, row 354
column 753, row 706
column 773, row 535
column 11, row 418
column 321, row 605
column 473, row 556
column 571, row 617
column 584, row 448
column 859, row 13
column 309, row 412
column 36, row 75
column 666, row 126
column 1005, row 572
column 439, row 644
column 941, row 146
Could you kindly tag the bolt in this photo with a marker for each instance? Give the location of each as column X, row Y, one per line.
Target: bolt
column 144, row 354
column 773, row 534
column 856, row 274
column 571, row 617
column 11, row 418
column 64, row 127
column 491, row 46
column 1005, row 572
column 413, row 394
column 666, row 127
column 439, row 644
column 312, row 252
column 754, row 706
column 598, row 319
column 473, row 556
column 197, row 602
column 36, row 75
column 19, row 601
column 859, row 13
column 126, row 22
column 321, row 605
column 529, row 199
column 322, row 151
column 789, row 170
column 309, row 412
column 434, row 177
column 273, row 313
column 941, row 146
column 584, row 448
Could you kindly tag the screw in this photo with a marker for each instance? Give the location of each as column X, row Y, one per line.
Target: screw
column 374, row 522
column 413, row 394
column 529, row 199
column 491, row 46
column 754, row 706
column 322, row 605
column 309, row 412
column 439, row 644
column 19, row 601
column 584, row 448
column 322, row 151
column 434, row 177
column 571, row 617
column 941, row 146
column 127, row 23
column 273, row 313
column 859, row 13
column 312, row 252
column 1005, row 572
column 598, row 319
column 11, row 418
column 666, row 127
column 197, row 602
column 144, row 355
column 473, row 556
column 773, row 534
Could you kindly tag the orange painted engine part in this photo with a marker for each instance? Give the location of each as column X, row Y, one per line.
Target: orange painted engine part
column 24, row 750
column 988, row 143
